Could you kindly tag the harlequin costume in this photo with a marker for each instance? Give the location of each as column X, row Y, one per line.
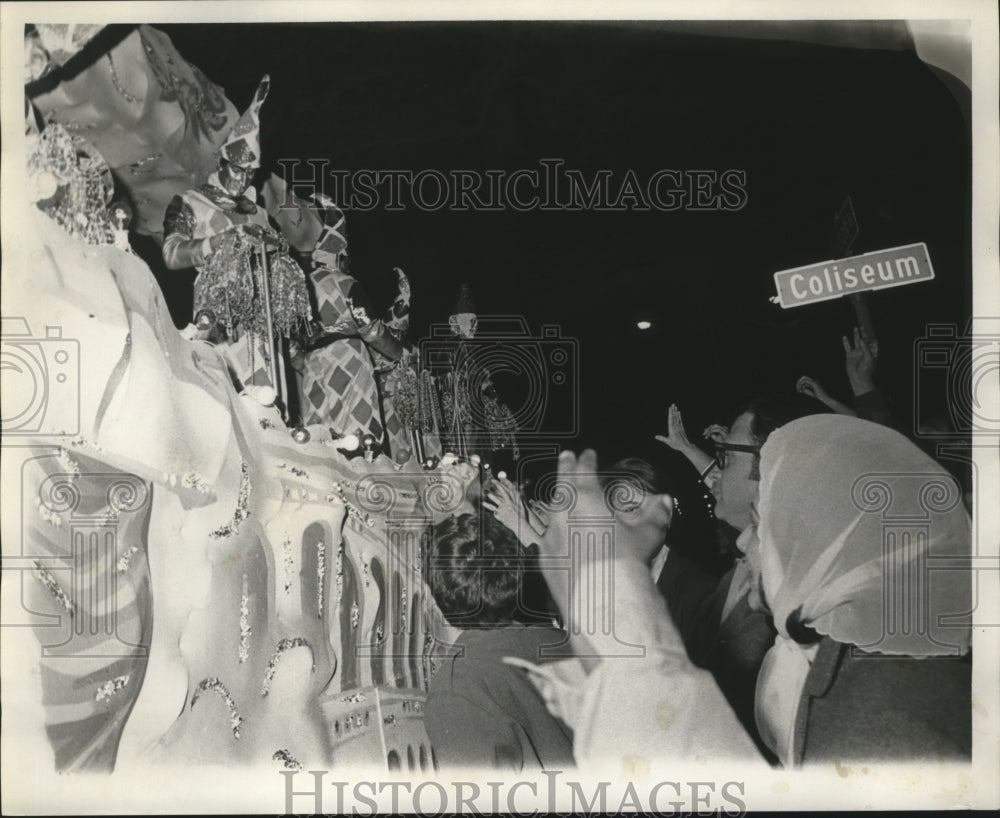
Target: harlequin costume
column 229, row 281
column 340, row 386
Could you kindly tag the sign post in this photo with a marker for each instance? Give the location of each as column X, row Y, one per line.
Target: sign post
column 845, row 233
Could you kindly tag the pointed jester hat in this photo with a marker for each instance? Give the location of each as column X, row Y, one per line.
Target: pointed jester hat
column 333, row 235
column 242, row 146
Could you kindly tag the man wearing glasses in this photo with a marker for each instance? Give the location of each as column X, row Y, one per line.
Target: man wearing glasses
column 720, row 631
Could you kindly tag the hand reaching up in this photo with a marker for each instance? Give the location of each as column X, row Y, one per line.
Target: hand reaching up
column 505, row 501
column 610, row 579
column 676, row 438
column 859, row 361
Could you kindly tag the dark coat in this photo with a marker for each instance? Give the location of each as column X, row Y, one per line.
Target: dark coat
column 483, row 713
column 867, row 707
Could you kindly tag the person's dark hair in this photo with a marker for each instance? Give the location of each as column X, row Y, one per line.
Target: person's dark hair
column 771, row 412
column 633, row 478
column 475, row 573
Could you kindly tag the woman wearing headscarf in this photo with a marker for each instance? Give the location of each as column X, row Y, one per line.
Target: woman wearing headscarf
column 861, row 556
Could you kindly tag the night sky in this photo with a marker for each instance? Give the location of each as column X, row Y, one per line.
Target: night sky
column 808, row 124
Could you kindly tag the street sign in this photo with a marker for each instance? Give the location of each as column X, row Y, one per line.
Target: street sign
column 878, row 270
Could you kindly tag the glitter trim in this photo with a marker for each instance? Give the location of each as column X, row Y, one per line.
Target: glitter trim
column 193, row 480
column 213, row 684
column 287, row 758
column 69, row 465
column 283, row 646
column 125, row 559
column 54, row 588
column 47, row 514
column 340, row 575
column 320, row 578
column 118, row 83
column 288, row 561
column 355, row 614
column 339, row 486
column 245, row 630
column 108, row 689
column 242, row 506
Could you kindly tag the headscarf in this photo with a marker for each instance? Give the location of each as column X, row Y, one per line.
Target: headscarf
column 854, row 520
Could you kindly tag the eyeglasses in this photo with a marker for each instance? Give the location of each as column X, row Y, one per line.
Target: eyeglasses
column 721, row 449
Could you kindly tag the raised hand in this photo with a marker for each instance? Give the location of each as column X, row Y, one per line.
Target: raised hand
column 676, row 438
column 572, row 571
column 502, row 498
column 859, row 361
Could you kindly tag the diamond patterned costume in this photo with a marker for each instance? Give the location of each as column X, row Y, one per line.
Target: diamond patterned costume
column 340, row 380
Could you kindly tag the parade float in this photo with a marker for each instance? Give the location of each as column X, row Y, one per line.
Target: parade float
column 208, row 581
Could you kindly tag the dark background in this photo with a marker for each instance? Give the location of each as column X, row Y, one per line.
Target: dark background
column 808, row 124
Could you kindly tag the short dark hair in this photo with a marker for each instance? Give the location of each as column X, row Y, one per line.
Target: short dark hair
column 642, row 476
column 476, row 566
column 770, row 412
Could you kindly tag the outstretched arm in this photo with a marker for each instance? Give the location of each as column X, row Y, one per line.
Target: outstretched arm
column 814, row 389
column 642, row 696
column 860, row 358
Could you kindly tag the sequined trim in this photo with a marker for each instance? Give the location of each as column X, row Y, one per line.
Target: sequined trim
column 242, row 506
column 126, row 559
column 284, row 646
column 213, row 684
column 54, row 588
column 288, row 561
column 110, row 688
column 118, row 84
column 320, row 578
column 287, row 759
column 245, row 631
